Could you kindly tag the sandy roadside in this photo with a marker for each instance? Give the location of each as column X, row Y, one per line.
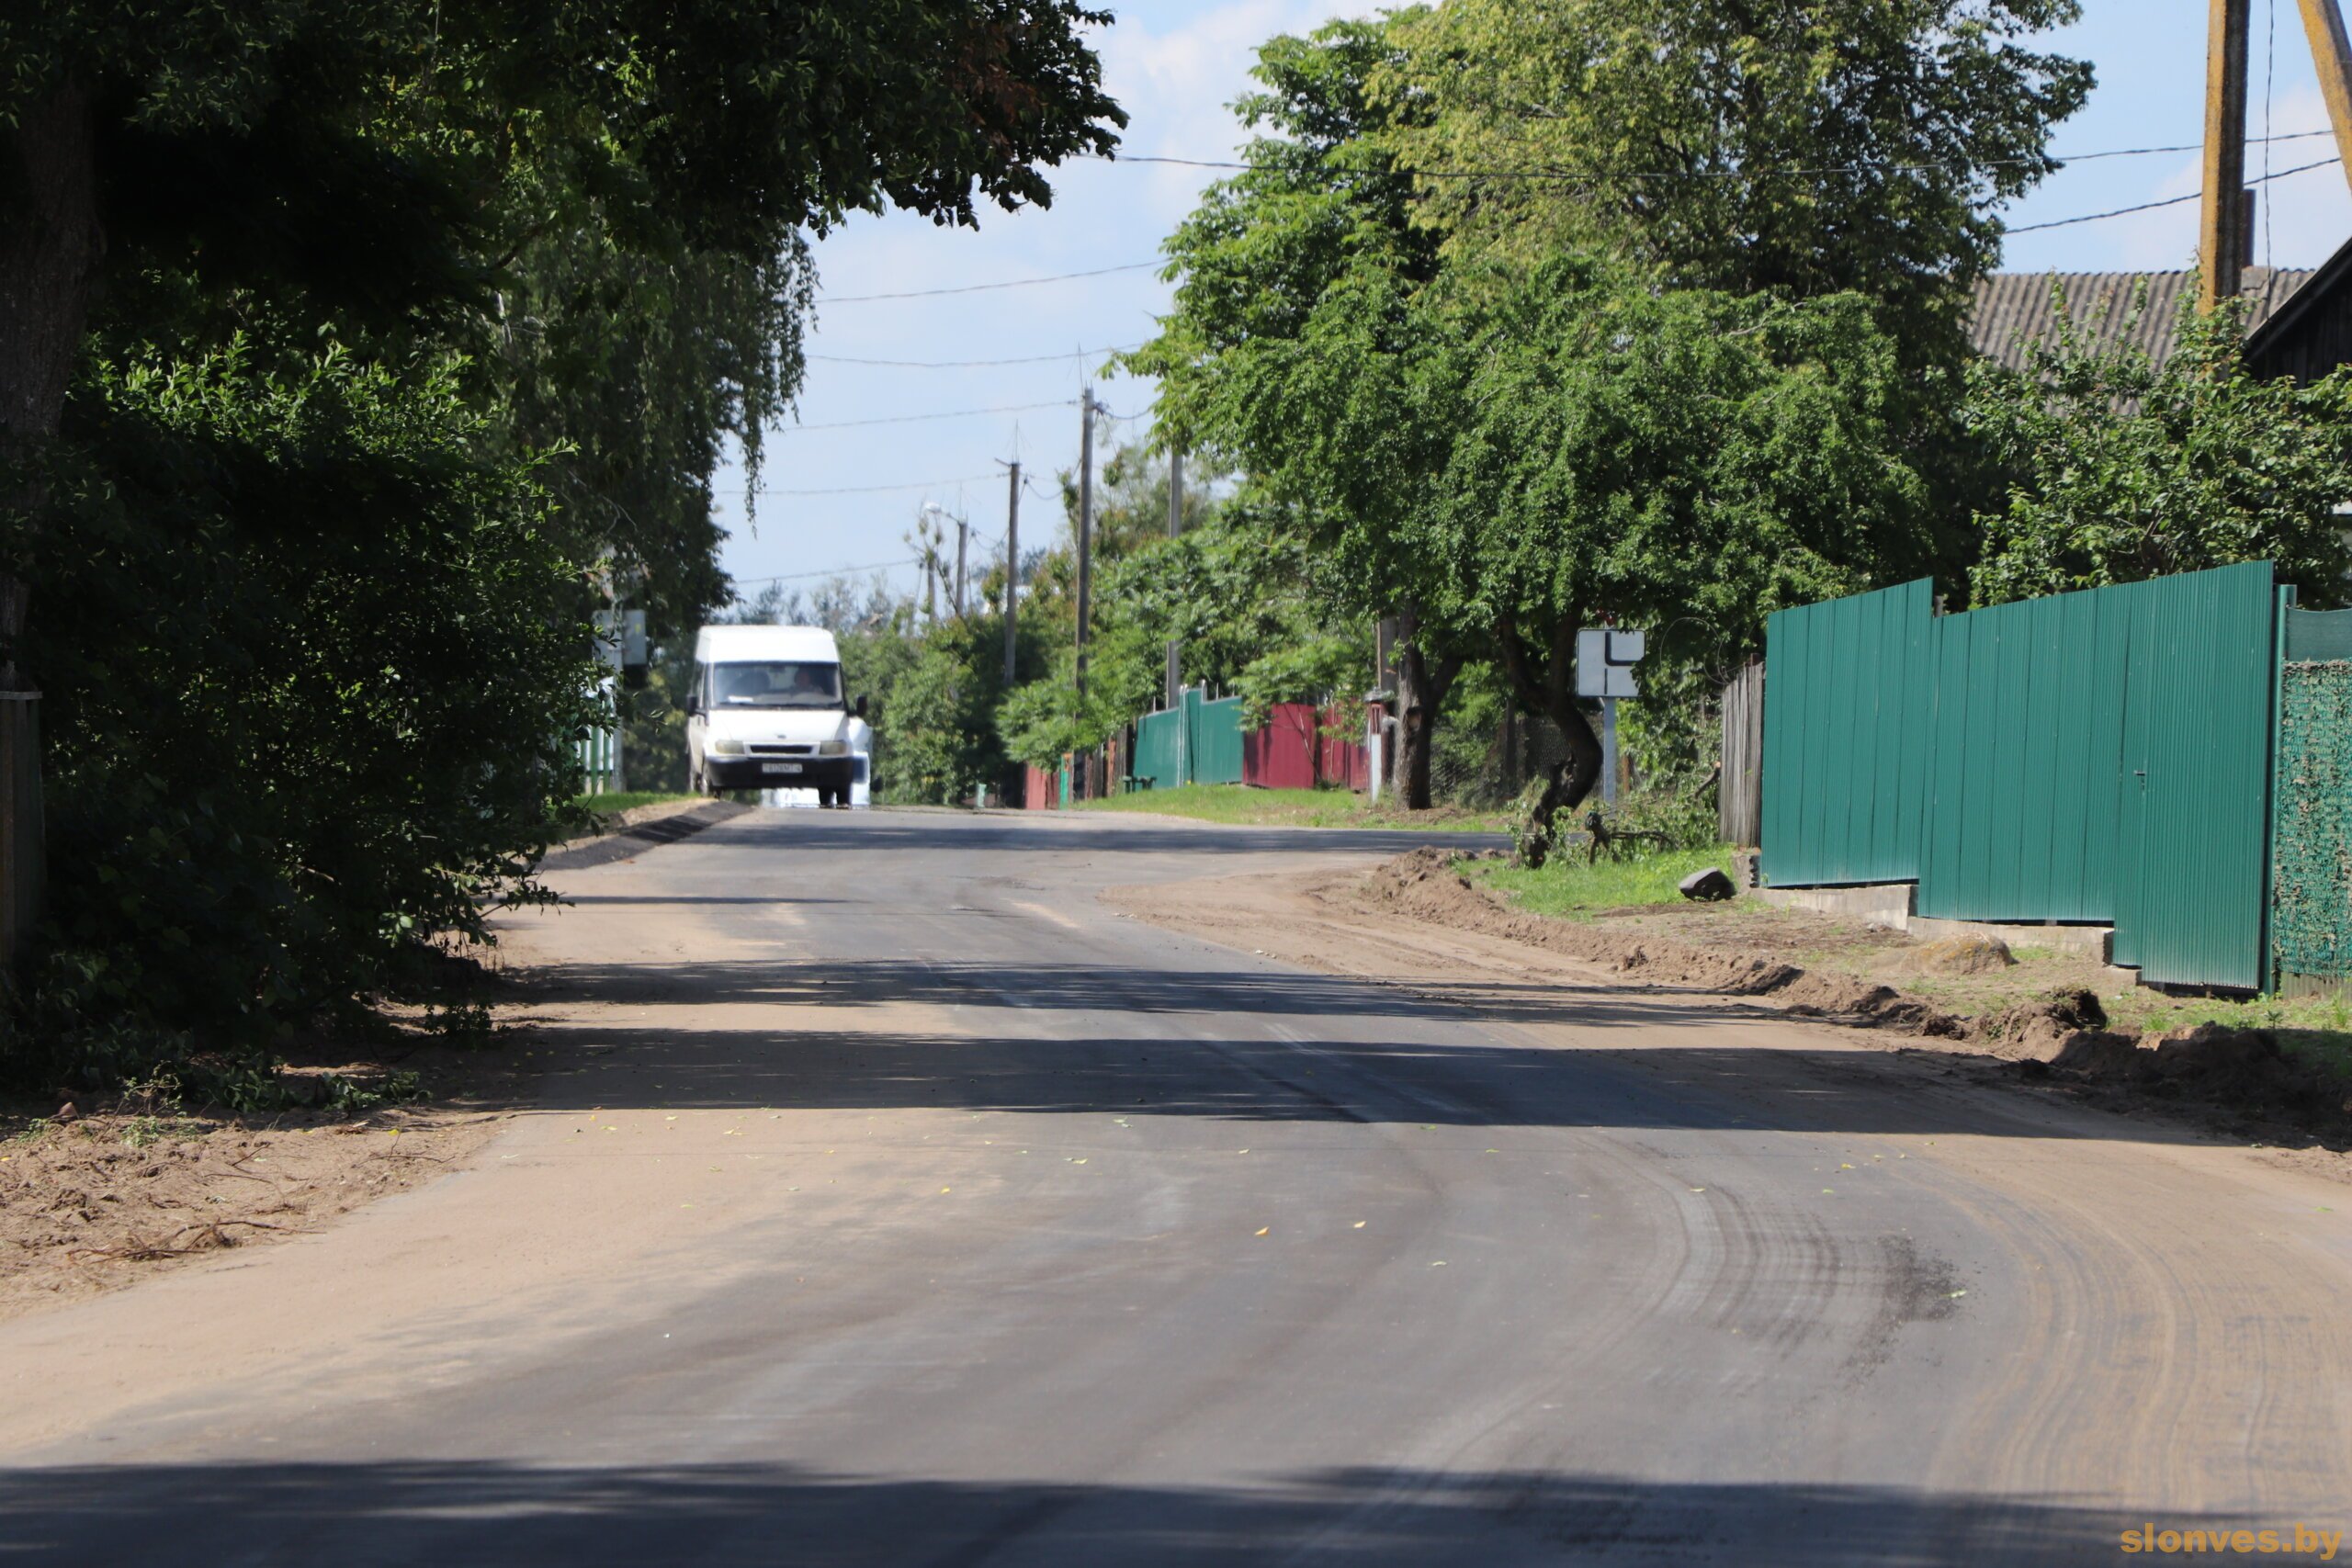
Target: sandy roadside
column 1454, row 943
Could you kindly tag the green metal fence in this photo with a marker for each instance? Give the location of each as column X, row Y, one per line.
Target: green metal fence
column 2099, row 757
column 1160, row 749
column 1215, row 736
column 1197, row 743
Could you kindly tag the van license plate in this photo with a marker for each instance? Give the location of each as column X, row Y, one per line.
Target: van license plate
column 779, row 767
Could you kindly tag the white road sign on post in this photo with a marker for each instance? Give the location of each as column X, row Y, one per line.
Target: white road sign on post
column 1605, row 661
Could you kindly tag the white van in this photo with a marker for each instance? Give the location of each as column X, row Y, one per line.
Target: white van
column 767, row 712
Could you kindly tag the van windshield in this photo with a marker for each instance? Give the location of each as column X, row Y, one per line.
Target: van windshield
column 777, row 685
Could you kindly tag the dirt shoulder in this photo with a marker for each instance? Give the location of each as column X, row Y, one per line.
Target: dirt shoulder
column 1421, row 923
column 96, row 1196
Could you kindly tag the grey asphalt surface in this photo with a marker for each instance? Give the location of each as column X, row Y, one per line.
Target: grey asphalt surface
column 892, row 1202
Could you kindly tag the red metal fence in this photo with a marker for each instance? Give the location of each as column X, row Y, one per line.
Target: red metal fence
column 1297, row 750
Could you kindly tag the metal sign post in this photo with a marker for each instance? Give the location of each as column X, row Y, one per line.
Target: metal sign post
column 1605, row 661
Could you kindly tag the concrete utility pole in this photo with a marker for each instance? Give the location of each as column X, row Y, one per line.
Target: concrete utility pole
column 1011, row 562
column 963, row 535
column 2225, row 202
column 1175, row 531
column 1085, row 529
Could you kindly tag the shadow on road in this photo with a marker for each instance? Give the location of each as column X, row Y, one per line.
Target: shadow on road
column 479, row 1512
column 1047, row 832
column 1037, row 1041
column 1100, row 988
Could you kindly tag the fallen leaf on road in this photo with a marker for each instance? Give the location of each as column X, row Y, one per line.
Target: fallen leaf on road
column 947, row 1189
column 1359, row 1224
column 1439, row 1264
column 1263, row 1229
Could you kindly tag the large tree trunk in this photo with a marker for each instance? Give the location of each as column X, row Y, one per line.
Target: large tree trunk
column 49, row 246
column 1424, row 678
column 1543, row 673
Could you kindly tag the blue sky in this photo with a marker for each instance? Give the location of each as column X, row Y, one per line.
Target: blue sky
column 1175, row 67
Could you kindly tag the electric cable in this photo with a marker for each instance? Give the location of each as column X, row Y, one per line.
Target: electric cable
column 824, row 300
column 917, row 418
column 2168, row 202
column 2060, row 159
column 870, row 489
column 973, row 364
column 830, row 571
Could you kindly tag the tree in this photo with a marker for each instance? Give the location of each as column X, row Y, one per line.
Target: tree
column 1803, row 147
column 347, row 353
column 389, row 161
column 1269, row 265
column 2120, row 469
column 1689, row 461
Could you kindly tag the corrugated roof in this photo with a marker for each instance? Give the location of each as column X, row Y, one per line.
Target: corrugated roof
column 2014, row 309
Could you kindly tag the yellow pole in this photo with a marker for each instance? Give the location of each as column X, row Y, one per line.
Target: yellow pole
column 2222, row 232
column 2331, row 53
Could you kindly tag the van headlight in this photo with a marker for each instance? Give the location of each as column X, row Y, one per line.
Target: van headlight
column 726, row 746
column 833, row 748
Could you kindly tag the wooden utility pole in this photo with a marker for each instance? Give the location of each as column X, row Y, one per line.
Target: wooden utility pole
column 2331, row 53
column 1175, row 531
column 1011, row 562
column 2223, row 233
column 1085, row 529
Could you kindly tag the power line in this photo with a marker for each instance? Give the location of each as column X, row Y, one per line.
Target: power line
column 869, row 489
column 914, row 418
column 982, row 288
column 1796, row 173
column 974, row 363
column 2168, row 202
column 831, row 572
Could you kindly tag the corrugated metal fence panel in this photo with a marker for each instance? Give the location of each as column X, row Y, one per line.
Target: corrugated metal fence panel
column 2101, row 756
column 2020, row 797
column 1280, row 753
column 1341, row 757
column 2206, row 671
column 1846, row 737
column 1216, row 740
column 1159, row 747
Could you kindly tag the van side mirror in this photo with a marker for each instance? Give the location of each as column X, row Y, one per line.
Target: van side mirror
column 861, row 705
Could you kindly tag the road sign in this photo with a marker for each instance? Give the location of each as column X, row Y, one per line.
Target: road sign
column 1605, row 661
column 620, row 639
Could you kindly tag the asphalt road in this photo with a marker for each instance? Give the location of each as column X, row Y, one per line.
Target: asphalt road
column 892, row 1202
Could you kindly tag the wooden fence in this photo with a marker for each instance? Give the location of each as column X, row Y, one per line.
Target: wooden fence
column 1740, row 810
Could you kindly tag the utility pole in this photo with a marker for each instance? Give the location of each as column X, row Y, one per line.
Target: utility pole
column 1175, row 531
column 2224, row 203
column 2331, row 53
column 1012, row 562
column 963, row 533
column 1085, row 529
